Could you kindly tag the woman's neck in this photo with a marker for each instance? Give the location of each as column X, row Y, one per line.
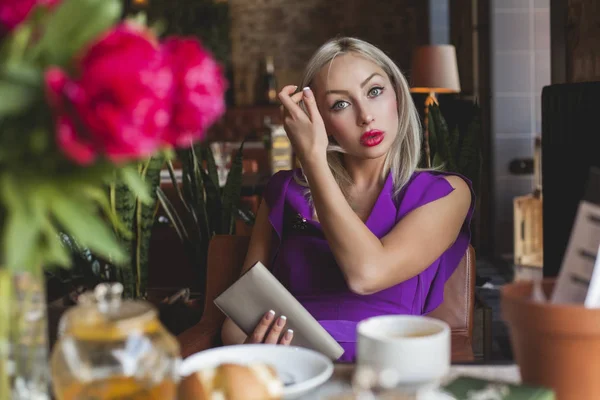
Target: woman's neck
column 364, row 173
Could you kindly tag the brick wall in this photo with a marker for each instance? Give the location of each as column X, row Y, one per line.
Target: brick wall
column 291, row 30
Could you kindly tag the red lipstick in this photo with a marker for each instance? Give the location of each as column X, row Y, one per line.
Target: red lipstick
column 372, row 138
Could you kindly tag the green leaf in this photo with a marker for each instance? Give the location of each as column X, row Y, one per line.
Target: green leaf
column 73, row 25
column 175, row 184
column 15, row 44
column 23, row 74
column 231, row 193
column 433, row 138
column 172, row 214
column 56, row 253
column 21, row 230
column 438, row 162
column 158, row 27
column 123, row 204
column 470, row 153
column 145, row 215
column 212, row 209
column 211, row 167
column 140, row 19
column 81, row 221
column 212, row 190
column 186, row 180
column 152, row 176
column 203, row 195
column 246, row 215
column 192, row 171
column 443, row 136
column 135, row 181
column 16, row 98
column 20, row 238
column 6, row 322
column 190, row 183
column 99, row 196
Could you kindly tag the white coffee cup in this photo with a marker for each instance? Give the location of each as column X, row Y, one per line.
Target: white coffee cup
column 415, row 348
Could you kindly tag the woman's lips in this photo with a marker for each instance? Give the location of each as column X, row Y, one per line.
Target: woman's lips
column 372, row 138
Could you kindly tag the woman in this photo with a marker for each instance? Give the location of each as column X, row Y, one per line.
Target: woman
column 358, row 231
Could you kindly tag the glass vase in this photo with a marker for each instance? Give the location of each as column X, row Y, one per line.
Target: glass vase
column 24, row 369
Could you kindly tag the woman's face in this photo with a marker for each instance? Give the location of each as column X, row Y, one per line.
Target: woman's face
column 358, row 105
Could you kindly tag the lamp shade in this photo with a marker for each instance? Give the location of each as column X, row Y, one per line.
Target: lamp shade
column 434, row 69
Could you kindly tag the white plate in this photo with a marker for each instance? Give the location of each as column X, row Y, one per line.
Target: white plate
column 439, row 395
column 300, row 369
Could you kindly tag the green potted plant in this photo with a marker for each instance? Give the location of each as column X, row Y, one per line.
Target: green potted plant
column 205, row 209
column 136, row 218
column 455, row 150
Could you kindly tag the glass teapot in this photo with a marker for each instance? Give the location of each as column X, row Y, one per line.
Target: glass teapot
column 109, row 349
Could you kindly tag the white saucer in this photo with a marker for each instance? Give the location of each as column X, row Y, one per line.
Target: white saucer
column 301, row 370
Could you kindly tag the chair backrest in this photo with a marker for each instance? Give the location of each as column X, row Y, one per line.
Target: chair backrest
column 459, row 297
column 226, row 255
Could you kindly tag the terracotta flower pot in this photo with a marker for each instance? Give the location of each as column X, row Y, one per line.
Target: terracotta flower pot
column 556, row 346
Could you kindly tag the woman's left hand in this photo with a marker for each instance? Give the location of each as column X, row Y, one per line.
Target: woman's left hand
column 306, row 132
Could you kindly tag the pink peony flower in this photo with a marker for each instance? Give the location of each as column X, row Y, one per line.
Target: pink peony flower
column 119, row 105
column 198, row 91
column 13, row 12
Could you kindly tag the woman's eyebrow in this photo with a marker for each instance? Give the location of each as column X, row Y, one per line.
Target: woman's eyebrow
column 362, row 85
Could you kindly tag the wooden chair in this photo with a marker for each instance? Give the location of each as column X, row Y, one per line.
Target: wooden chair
column 225, row 258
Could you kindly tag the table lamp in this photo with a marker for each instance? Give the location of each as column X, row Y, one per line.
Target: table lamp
column 434, row 70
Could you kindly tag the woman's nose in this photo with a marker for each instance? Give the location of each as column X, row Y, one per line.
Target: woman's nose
column 365, row 118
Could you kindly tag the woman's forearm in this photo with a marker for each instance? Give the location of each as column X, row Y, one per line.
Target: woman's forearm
column 355, row 247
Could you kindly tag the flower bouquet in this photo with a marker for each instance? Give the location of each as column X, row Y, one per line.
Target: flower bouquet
column 84, row 97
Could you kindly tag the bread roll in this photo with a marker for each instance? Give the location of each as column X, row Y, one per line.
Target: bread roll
column 232, row 382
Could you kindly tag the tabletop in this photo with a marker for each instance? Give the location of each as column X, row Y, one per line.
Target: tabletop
column 339, row 383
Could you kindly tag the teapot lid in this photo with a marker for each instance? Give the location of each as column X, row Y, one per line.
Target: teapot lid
column 103, row 315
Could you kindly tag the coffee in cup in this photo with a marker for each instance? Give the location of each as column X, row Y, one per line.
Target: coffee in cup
column 416, row 348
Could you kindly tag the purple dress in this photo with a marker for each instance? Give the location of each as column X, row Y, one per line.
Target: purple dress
column 302, row 260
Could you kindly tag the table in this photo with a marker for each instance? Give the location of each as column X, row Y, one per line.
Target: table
column 339, row 383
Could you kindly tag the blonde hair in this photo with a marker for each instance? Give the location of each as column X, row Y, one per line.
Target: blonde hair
column 403, row 156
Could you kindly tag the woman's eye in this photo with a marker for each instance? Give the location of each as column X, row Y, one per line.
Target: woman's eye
column 376, row 91
column 339, row 105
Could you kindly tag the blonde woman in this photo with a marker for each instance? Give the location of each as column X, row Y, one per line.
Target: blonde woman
column 358, row 231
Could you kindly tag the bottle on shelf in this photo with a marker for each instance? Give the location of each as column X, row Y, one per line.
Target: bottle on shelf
column 267, row 86
column 278, row 147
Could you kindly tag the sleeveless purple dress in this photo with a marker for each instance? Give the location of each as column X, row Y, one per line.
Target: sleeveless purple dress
column 302, row 261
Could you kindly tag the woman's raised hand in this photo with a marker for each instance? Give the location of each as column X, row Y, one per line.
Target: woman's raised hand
column 270, row 329
column 306, row 132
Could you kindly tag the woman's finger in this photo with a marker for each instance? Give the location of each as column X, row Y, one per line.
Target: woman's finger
column 311, row 105
column 285, row 96
column 275, row 332
column 296, row 98
column 287, row 337
column 258, row 336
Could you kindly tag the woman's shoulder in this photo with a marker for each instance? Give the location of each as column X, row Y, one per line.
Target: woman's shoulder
column 429, row 185
column 429, row 179
column 281, row 179
column 426, row 177
column 278, row 185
